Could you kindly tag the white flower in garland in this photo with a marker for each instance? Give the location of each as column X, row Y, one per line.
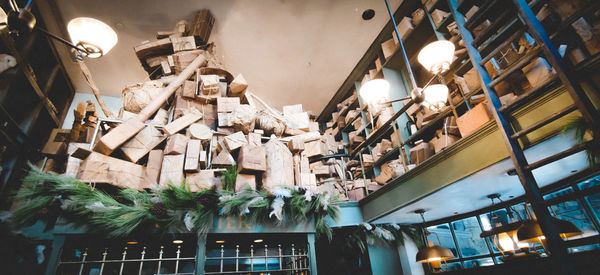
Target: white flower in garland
column 250, row 203
column 395, row 226
column 386, row 234
column 277, row 207
column 187, row 220
column 282, row 193
column 98, row 206
column 367, row 226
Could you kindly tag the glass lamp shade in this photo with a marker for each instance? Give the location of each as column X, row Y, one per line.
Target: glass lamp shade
column 437, row 56
column 508, row 241
column 375, row 91
column 435, row 96
column 532, row 233
column 433, row 254
column 96, row 37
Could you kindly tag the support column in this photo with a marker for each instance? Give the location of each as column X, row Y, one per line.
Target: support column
column 54, row 258
column 200, row 254
column 312, row 254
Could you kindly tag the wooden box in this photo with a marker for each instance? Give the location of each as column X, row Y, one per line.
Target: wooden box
column 442, row 141
column 389, row 47
column 202, row 26
column 405, row 28
column 420, row 152
column 473, row 119
column 251, row 158
column 537, row 71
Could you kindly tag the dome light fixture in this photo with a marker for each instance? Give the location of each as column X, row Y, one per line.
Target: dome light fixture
column 435, row 96
column 437, row 56
column 432, row 254
column 375, row 91
column 92, row 35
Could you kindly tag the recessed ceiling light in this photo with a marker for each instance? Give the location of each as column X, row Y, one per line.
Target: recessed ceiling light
column 220, row 241
column 368, row 14
column 574, row 171
column 258, row 241
column 132, row 242
column 177, row 241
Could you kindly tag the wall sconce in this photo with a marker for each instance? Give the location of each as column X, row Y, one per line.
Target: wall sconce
column 89, row 37
column 432, row 254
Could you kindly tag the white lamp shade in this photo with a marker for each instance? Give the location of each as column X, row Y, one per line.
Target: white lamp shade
column 375, row 91
column 435, row 96
column 94, row 35
column 437, row 56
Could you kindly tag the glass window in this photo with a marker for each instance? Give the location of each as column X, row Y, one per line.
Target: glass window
column 442, row 232
column 594, row 201
column 479, row 262
column 467, row 233
column 589, row 183
column 573, row 212
column 585, row 248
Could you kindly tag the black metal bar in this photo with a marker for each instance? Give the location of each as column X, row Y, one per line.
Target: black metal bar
column 61, row 40
column 501, row 46
column 575, row 149
column 544, row 122
column 555, row 243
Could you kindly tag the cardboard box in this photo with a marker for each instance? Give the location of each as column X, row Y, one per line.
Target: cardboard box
column 438, row 16
column 420, row 152
column 356, row 194
column 471, row 79
column 243, row 180
column 252, row 159
column 537, row 71
column 590, row 36
column 507, row 98
column 405, row 28
column 442, row 141
column 473, row 119
column 57, row 143
column 389, row 47
column 227, row 104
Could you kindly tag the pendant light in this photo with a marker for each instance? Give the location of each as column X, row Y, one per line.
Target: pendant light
column 432, row 253
column 504, row 236
column 531, row 231
column 93, row 35
column 437, row 56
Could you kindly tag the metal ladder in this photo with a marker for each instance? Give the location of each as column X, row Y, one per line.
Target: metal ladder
column 521, row 18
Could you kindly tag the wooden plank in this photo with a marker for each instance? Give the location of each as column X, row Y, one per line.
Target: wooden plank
column 181, row 123
column 251, row 159
column 153, row 167
column 142, row 143
column 172, row 170
column 192, row 155
column 153, row 48
column 235, row 140
column 109, row 142
column 176, row 145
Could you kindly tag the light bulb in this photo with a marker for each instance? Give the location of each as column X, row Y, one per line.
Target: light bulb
column 94, row 35
column 437, row 56
column 435, row 96
column 375, row 91
column 505, row 242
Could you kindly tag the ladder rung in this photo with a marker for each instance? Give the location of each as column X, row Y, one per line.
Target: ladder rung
column 480, row 14
column 575, row 149
column 516, row 66
column 502, row 46
column 487, row 32
column 530, row 94
column 544, row 122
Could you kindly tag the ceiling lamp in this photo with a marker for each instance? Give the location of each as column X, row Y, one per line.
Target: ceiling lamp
column 432, row 253
column 375, row 91
column 531, row 232
column 437, row 56
column 435, row 96
column 93, row 36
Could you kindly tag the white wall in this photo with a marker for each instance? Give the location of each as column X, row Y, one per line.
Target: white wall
column 113, row 103
column 408, row 254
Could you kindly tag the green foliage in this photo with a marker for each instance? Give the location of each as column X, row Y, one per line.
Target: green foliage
column 171, row 209
column 382, row 234
column 229, row 177
column 582, row 129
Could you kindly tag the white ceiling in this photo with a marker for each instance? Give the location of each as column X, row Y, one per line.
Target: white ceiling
column 470, row 193
column 289, row 51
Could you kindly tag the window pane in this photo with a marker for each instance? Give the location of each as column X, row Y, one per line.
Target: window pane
column 479, row 262
column 589, row 183
column 573, row 212
column 442, row 232
column 467, row 235
column 451, row 266
column 589, row 247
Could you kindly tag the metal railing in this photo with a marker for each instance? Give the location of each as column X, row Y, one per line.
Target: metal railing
column 289, row 260
column 127, row 264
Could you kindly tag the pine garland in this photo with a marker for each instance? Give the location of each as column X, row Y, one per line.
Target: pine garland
column 171, row 209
